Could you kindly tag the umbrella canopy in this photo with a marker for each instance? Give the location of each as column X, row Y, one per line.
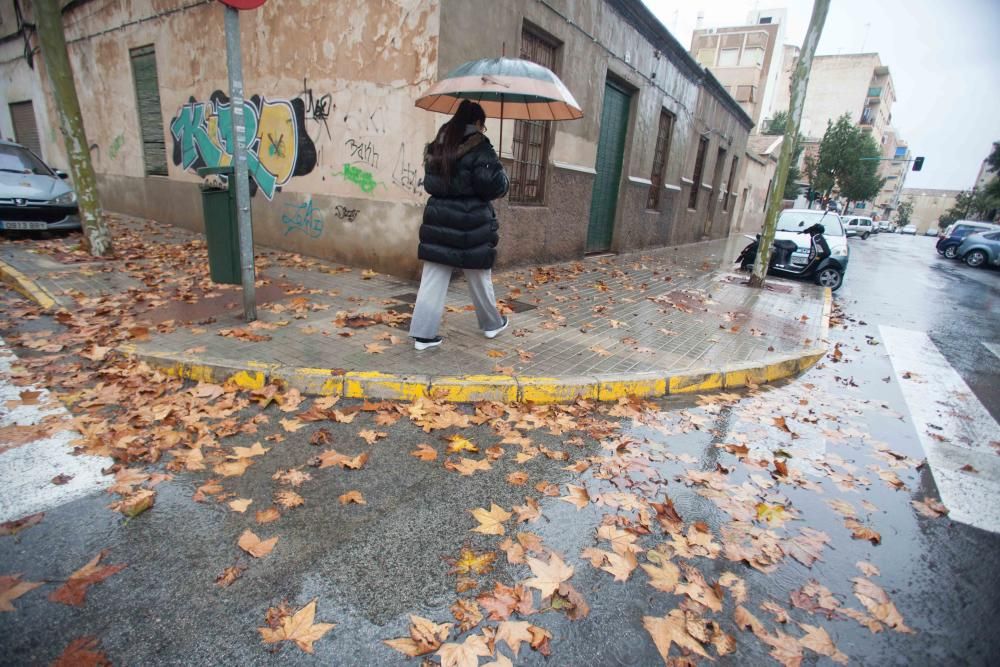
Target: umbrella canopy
column 505, row 88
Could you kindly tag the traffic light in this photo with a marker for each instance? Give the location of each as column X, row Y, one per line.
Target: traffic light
column 918, row 164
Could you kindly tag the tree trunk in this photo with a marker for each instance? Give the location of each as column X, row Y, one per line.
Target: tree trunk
column 48, row 16
column 800, row 82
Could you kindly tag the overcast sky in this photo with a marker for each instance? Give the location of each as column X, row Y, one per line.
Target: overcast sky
column 944, row 58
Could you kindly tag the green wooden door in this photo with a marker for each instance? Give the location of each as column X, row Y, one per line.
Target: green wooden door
column 610, row 152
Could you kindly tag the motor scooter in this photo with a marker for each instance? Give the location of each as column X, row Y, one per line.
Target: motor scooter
column 818, row 266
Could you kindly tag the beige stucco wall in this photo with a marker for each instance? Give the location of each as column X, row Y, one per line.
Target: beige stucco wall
column 837, row 85
column 928, row 206
column 758, row 174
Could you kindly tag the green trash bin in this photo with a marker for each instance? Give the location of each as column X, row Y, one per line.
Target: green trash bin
column 221, row 231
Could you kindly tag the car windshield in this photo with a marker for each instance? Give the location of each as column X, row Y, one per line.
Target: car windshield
column 20, row 161
column 797, row 221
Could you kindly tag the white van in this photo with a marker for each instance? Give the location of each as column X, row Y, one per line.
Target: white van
column 859, row 226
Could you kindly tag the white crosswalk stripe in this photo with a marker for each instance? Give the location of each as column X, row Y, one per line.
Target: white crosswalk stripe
column 27, row 470
column 993, row 347
column 954, row 428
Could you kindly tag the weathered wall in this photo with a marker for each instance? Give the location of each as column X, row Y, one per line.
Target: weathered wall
column 331, row 87
column 837, row 85
column 597, row 43
column 757, row 176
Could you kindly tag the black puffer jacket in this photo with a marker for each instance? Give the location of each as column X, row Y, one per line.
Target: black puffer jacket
column 460, row 224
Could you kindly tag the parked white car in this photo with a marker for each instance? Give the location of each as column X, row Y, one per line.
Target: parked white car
column 859, row 226
column 909, row 229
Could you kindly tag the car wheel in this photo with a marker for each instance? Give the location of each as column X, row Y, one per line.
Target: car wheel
column 864, row 237
column 951, row 252
column 975, row 258
column 830, row 277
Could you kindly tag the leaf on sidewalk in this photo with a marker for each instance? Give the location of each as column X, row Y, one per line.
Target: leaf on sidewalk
column 297, row 627
column 11, row 588
column 352, row 497
column 82, row 652
column 288, row 499
column 818, row 640
column 490, row 521
column 548, row 576
column 425, row 637
column 74, row 591
column 878, row 604
column 466, row 654
column 424, row 452
column 577, row 496
column 669, row 630
column 17, row 525
column 254, row 546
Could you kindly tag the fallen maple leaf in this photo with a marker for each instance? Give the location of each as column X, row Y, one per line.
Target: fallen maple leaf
column 460, row 444
column 371, row 437
column 229, row 575
column 577, row 496
column 254, row 546
column 298, row 628
column 288, row 499
column 868, row 569
column 663, row 574
column 424, row 452
column 293, row 477
column 548, row 576
column 331, row 458
column 352, row 497
column 569, row 601
column 669, row 630
column 74, row 591
column 860, row 531
column 490, row 522
column 513, row 633
column 17, row 525
column 82, row 652
column 240, row 504
column 466, row 654
column 469, row 562
column 268, row 515
column 774, row 515
column 467, row 613
column 425, row 637
column 375, row 348
column 816, row 639
column 878, row 604
column 468, row 466
column 11, row 588
column 135, row 503
column 930, row 508
column 519, row 478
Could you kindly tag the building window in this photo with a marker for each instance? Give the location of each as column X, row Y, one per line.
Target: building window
column 662, row 152
column 531, row 137
column 147, row 94
column 729, row 57
column 699, row 165
column 752, row 57
column 706, row 57
column 729, row 184
column 22, row 116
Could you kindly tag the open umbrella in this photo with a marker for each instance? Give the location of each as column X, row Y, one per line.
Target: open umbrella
column 505, row 88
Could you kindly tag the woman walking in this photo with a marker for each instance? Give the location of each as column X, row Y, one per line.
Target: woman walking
column 462, row 175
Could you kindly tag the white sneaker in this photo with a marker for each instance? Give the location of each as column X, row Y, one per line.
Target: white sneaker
column 420, row 344
column 493, row 333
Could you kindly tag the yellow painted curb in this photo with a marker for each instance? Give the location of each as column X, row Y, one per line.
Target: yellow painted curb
column 372, row 384
column 26, row 286
column 472, row 388
column 695, row 382
column 556, row 389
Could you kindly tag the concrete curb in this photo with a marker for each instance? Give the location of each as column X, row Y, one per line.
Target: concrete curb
column 26, row 286
column 472, row 388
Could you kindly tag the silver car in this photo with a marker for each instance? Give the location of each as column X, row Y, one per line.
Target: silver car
column 33, row 196
column 981, row 249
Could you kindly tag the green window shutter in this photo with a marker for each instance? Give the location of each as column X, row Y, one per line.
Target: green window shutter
column 147, row 93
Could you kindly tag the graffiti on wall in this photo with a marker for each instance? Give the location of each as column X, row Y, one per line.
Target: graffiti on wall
column 363, row 151
column 317, row 108
column 304, row 218
column 405, row 174
column 278, row 146
column 363, row 179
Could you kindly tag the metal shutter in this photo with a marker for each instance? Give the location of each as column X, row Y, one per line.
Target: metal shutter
column 25, row 131
column 147, row 93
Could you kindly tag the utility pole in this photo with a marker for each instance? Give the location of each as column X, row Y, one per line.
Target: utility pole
column 48, row 16
column 243, row 221
column 800, row 82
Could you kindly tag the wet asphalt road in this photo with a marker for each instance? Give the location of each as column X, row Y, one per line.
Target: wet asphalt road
column 371, row 566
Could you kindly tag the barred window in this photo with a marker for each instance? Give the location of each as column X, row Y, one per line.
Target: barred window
column 662, row 152
column 699, row 166
column 147, row 94
column 729, row 185
column 531, row 137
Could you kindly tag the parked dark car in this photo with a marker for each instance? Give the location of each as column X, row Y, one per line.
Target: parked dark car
column 32, row 195
column 954, row 234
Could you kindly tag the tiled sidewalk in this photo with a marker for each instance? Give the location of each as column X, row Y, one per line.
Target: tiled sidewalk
column 668, row 311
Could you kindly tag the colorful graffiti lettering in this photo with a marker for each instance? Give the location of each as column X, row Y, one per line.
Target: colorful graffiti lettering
column 360, row 177
column 277, row 144
column 305, row 220
column 344, row 213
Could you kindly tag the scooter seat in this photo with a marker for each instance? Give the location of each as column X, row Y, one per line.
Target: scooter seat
column 784, row 244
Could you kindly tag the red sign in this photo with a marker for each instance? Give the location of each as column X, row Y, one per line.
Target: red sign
column 243, row 4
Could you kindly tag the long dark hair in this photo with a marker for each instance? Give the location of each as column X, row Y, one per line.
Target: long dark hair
column 452, row 133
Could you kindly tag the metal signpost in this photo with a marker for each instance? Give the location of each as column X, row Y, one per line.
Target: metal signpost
column 234, row 63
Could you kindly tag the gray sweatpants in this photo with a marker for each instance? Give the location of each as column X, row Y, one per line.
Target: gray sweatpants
column 429, row 307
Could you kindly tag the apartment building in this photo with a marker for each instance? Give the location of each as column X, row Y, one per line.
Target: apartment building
column 894, row 168
column 747, row 60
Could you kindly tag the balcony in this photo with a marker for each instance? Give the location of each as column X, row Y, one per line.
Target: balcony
column 874, row 95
